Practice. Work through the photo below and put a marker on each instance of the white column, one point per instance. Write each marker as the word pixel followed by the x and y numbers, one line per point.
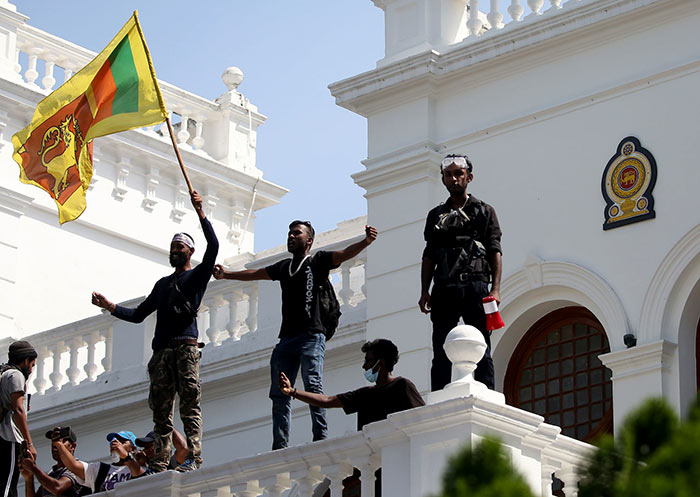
pixel 515 10
pixel 48 80
pixel 474 23
pixel 91 367
pixel 108 335
pixel 40 380
pixel 495 17
pixel 535 6
pixel 183 134
pixel 643 368
pixel 307 479
pixel 56 377
pixel 73 372
pixel 31 74
pixel 569 475
pixel 213 331
pixel 234 326
pixel 337 473
pixel 252 320
pixel 247 489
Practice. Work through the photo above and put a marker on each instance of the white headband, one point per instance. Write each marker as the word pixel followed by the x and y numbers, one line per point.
pixel 184 238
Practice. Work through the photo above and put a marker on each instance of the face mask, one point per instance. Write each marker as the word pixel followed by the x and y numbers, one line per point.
pixel 372 376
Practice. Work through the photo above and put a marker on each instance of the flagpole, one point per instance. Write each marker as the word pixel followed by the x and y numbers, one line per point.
pixel 177 153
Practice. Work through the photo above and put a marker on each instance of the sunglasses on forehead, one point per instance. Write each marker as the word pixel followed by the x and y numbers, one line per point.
pixel 458 161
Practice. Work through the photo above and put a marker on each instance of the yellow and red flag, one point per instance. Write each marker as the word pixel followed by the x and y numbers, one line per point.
pixel 115 92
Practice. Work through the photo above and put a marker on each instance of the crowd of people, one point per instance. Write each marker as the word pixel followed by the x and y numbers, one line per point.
pixel 461 264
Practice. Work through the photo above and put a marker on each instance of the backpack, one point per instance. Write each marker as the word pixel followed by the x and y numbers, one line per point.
pixel 329 307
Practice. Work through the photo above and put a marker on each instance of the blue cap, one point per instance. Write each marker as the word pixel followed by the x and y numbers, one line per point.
pixel 124 435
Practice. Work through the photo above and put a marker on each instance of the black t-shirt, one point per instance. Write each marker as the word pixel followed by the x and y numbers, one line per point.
pixel 300 310
pixel 192 283
pixel 375 403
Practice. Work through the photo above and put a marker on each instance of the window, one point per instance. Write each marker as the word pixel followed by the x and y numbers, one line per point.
pixel 555 372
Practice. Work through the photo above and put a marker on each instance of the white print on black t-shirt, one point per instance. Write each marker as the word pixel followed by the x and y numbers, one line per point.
pixel 309 290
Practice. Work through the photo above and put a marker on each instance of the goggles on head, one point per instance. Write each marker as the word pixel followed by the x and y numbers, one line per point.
pixel 458 161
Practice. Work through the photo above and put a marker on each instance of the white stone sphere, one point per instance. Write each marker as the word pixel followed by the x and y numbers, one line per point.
pixel 232 77
pixel 465 344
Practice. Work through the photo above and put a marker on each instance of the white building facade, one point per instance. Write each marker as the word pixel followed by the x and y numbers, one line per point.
pixel 596 319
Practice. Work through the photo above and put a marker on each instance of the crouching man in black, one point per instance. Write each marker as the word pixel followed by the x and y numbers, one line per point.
pixel 388 395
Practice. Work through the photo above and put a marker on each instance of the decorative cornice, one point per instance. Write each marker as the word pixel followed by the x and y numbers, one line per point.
pixel 362 93
pixel 641 359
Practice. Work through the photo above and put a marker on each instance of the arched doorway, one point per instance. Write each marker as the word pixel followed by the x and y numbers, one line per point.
pixel 555 372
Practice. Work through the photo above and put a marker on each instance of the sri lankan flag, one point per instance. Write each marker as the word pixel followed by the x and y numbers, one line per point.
pixel 115 92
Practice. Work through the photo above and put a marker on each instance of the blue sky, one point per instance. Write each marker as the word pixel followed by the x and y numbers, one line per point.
pixel 289 51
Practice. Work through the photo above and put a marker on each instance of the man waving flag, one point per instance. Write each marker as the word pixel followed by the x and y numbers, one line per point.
pixel 115 92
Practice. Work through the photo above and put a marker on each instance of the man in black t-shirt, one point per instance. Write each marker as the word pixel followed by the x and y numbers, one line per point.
pixel 302 341
pixel 388 395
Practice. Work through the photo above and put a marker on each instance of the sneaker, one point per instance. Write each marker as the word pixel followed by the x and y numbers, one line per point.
pixel 188 465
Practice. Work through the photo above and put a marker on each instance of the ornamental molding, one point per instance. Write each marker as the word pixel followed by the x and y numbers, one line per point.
pixel 681 264
pixel 551 281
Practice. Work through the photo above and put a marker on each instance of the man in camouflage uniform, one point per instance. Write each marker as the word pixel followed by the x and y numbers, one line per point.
pixel 174 367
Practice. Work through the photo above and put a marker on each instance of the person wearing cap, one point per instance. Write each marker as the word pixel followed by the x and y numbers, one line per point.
pixel 14 430
pixel 99 476
pixel 302 343
pixel 60 480
pixel 146 446
pixel 462 256
pixel 174 366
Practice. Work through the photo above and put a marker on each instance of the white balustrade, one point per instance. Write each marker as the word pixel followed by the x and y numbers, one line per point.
pixel 515 10
pixel 39 55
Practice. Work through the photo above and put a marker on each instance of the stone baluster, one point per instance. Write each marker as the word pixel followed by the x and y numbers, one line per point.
pixel 67 73
pixel 234 326
pixel 570 477
pixel 213 332
pixel 307 480
pixel 198 141
pixel 91 367
pixel 31 74
pixel 275 486
pixel 474 23
pixel 546 472
pixel 495 17
pixel 252 319
pixel 56 377
pixel 336 473
pixel 346 292
pixel 515 10
pixel 367 468
pixel 40 380
pixel 48 80
pixel 73 371
pixel 183 134
pixel 535 6
pixel 247 489
pixel 556 4
pixel 109 341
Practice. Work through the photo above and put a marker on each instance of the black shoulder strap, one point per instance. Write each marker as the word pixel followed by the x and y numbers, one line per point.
pixel 101 475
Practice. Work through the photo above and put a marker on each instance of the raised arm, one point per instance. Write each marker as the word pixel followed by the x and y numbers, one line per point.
pixel 136 315
pixel 340 256
pixel 246 275
pixel 314 399
pixel 74 466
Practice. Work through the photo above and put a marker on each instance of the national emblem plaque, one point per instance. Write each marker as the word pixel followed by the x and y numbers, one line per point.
pixel 627 185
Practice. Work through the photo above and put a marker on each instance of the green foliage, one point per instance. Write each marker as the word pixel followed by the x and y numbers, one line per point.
pixel 484 471
pixel 653 456
pixel 602 470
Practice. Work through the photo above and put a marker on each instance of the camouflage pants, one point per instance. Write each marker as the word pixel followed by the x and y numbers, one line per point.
pixel 175 370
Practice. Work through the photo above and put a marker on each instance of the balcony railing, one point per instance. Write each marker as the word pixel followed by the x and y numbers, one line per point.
pixel 44 62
